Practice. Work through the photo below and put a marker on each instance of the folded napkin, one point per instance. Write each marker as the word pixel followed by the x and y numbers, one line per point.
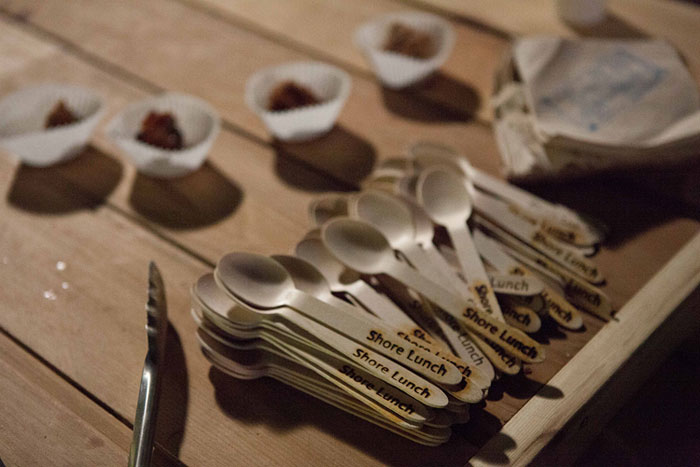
pixel 566 107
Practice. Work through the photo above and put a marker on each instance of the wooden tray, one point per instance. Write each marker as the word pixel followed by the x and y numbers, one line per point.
pixel 105 222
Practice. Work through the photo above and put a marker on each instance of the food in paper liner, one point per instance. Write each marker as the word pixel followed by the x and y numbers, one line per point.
pixel 565 108
pixel 405 40
pixel 329 84
pixel 160 130
pixel 60 115
pixel 396 70
pixel 290 95
pixel 197 120
pixel 23 116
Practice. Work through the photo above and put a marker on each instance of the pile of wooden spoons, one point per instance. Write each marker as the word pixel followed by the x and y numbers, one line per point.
pixel 378 316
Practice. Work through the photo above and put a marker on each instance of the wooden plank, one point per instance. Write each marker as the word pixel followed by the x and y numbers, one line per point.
pixel 674 383
pixel 668 231
pixel 56 203
pixel 91 329
pixel 612 198
pixel 45 421
pixel 87 319
pixel 238 168
pixel 304 24
pixel 463 84
pixel 637 374
pixel 247 196
pixel 542 417
pixel 677 22
pixel 193 52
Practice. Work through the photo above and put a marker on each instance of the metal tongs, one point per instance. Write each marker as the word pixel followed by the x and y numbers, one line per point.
pixel 146 410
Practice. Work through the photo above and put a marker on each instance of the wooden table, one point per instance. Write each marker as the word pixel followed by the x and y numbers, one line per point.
pixel 75 239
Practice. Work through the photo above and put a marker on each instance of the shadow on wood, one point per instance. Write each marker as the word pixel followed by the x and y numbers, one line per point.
pixel 482 427
pixel 341 153
pixel 162 458
pixel 296 175
pixel 612 27
pixel 522 387
pixel 506 443
pixel 627 202
pixel 281 408
pixel 667 407
pixel 259 401
pixel 679 184
pixel 195 200
pixel 458 100
pixel 81 183
pixel 550 330
pixel 174 396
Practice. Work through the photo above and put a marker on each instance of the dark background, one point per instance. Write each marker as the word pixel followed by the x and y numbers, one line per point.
pixel 660 425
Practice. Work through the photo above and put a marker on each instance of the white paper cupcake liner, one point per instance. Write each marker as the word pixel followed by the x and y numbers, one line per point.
pixel 330 84
pixel 23 117
pixel 198 122
pixel 395 70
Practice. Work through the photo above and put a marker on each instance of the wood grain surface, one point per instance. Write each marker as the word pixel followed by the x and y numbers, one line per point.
pixel 193 52
pixel 104 221
pixel 462 85
pixel 588 372
pixel 40 409
pixel 673 21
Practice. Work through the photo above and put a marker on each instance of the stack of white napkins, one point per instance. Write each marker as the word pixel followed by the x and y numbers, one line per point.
pixel 567 107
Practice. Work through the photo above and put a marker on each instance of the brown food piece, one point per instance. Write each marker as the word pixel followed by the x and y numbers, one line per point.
pixel 160 130
pixel 405 40
pixel 60 115
pixel 290 95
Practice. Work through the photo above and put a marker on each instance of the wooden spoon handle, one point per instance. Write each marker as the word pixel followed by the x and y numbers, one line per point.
pixel 560 216
pixel 566 256
pixel 376 364
pixel 584 295
pixel 438 267
pixel 521 285
pixel 376 335
pixel 558 308
pixel 480 322
pixel 521 317
pixel 397 407
pixel 473 268
pixel 380 305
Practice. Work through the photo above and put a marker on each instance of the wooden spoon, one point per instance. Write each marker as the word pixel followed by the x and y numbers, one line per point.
pixel 448 203
pixel 265 285
pixel 307 279
pixel 363 248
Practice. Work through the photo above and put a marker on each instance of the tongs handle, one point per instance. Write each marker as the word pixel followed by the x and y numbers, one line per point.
pixel 146 408
pixel 144 423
